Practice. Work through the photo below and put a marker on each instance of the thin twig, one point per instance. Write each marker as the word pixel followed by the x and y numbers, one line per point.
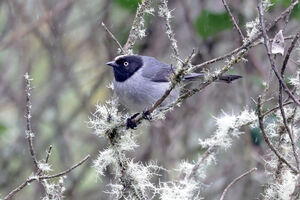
pixel 276 108
pixel 212 78
pixel 229 54
pixel 249 43
pixel 287 19
pixel 261 126
pixel 19 188
pixel 38 178
pixel 285 121
pixel 236 180
pixel 233 20
pixel 271 59
pixel 48 154
pixel 39 171
pixel 292 46
pixel 66 171
pixel 209 151
pixel 113 37
pixel 29 132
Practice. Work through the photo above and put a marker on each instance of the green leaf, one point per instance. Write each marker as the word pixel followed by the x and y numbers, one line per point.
pixel 286 3
pixel 256 136
pixel 209 23
pixel 2 128
pixel 128 4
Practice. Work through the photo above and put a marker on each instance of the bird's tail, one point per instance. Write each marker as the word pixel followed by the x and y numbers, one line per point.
pixel 200 76
pixel 229 78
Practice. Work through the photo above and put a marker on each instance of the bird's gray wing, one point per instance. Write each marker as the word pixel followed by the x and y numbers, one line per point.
pixel 156 71
pixel 160 72
pixel 194 77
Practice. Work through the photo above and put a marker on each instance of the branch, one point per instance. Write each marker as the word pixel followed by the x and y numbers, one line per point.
pixel 208 152
pixel 48 154
pixel 29 133
pixel 229 54
pixel 287 17
pixel 249 43
pixel 66 171
pixel 276 108
pixel 261 126
pixel 113 37
pixel 38 178
pixel 236 180
pixel 285 121
pixel 238 53
pixel 175 81
pixel 136 26
pixel 213 77
pixel 271 59
pixel 233 20
pixel 166 14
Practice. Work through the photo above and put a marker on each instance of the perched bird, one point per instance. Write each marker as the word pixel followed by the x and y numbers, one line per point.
pixel 141 80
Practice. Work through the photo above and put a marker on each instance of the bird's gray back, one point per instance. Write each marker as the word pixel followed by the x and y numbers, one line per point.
pixel 156 71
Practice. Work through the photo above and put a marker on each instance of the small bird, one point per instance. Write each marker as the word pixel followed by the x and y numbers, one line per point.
pixel 141 80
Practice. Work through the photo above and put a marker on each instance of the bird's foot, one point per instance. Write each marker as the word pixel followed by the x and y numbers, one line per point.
pixel 130 122
pixel 146 115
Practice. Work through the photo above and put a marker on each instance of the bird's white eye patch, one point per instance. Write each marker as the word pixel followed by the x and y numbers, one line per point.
pixel 126 64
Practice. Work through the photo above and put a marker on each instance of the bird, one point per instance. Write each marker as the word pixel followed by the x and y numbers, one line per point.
pixel 139 81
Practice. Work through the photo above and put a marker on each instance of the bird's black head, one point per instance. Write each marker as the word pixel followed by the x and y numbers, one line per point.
pixel 125 66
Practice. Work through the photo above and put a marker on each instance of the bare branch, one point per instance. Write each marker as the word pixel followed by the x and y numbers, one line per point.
pixel 113 37
pixel 285 122
pixel 292 46
pixel 287 17
pixel 66 171
pixel 229 54
pixel 38 178
pixel 48 154
pixel 29 132
pixel 261 126
pixel 236 180
pixel 208 152
pixel 212 78
pixel 276 108
pixel 233 20
pixel 249 43
pixel 271 59
pixel 19 188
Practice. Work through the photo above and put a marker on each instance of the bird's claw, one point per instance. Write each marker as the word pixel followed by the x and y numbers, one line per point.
pixel 146 115
pixel 130 122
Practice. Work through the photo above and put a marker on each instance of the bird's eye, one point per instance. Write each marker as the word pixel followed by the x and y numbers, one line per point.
pixel 126 64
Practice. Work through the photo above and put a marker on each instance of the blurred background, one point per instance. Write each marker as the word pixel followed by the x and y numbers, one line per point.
pixel 64 48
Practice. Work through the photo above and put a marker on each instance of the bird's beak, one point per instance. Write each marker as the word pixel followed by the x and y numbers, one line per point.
pixel 112 64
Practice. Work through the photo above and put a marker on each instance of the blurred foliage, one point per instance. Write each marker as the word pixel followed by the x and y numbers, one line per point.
pixel 209 23
pixel 2 128
pixel 128 4
pixel 256 136
pixel 285 3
